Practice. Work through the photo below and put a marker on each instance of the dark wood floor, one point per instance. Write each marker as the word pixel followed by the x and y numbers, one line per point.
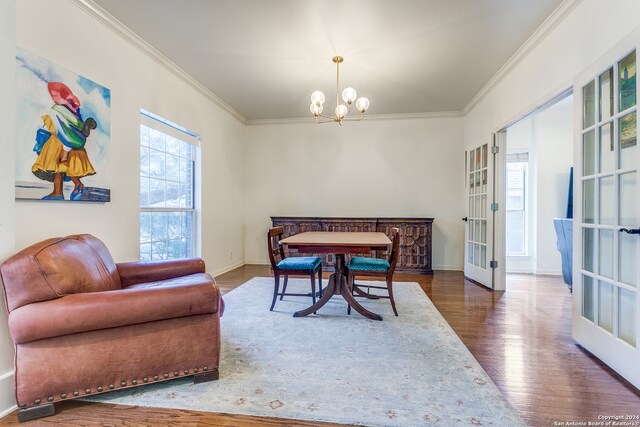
pixel 521 337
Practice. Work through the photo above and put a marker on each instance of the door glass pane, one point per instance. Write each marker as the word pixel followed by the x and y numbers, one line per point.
pixel 483 256
pixel 589 153
pixel 479 213
pixel 627 258
pixel 484 181
pixel 476 255
pixel 471 184
pixel 607 201
pixel 588 249
pixel 627 320
pixel 606 94
pixel 587 297
pixel 628 199
pixel 628 139
pixel 605 306
pixel 589 105
pixel 588 201
pixel 606 253
pixel 470 252
pixel 628 156
pixel 483 232
pixel 627 81
pixel 478 189
pixel 484 155
pixel 483 205
pixel 472 160
pixel 607 155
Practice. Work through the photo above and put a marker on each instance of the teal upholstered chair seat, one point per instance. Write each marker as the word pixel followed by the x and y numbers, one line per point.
pixel 368 264
pixel 299 263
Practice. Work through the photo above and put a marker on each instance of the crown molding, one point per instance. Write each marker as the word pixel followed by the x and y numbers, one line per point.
pixel 102 16
pixel 373 117
pixel 549 24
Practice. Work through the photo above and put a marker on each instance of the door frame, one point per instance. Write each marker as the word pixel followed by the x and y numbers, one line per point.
pixel 499 221
pixel 500 224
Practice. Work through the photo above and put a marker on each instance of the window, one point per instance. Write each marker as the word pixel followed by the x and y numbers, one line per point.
pixel 516 217
pixel 167 190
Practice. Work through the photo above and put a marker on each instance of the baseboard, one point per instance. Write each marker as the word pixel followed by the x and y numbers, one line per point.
pixel 448 267
pixel 519 271
pixel 536 273
pixel 227 268
pixel 7 394
pixel 257 262
pixel 552 272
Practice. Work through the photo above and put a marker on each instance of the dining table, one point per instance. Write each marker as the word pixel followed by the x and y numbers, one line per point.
pixel 339 244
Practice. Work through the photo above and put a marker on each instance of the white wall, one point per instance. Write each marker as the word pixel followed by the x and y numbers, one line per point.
pixel 392 168
pixel 548 138
pixel 136 81
pixel 7 216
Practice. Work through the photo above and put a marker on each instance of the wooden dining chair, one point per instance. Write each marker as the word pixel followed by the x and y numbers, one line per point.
pixel 375 267
pixel 283 265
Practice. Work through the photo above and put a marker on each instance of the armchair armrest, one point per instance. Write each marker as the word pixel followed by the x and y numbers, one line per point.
pixel 74 313
pixel 132 273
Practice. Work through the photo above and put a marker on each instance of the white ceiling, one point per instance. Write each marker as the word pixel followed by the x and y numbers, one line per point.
pixel 264 57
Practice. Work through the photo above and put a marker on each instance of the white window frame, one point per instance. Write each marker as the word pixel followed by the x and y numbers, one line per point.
pixel 521 158
pixel 157 123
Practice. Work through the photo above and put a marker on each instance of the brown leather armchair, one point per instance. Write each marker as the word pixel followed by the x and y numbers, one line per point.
pixel 84 325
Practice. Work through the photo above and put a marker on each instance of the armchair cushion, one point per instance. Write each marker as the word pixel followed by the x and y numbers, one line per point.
pixel 180 297
pixel 300 263
pixel 368 264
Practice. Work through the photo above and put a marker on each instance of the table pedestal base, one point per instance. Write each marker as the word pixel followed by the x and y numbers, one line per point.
pixel 338 286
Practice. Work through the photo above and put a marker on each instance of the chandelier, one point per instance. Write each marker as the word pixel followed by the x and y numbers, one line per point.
pixel 348 96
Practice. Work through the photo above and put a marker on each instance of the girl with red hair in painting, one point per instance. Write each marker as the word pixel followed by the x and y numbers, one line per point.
pixel 63 157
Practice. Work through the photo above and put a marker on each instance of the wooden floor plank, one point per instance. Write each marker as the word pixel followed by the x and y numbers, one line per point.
pixel 521 337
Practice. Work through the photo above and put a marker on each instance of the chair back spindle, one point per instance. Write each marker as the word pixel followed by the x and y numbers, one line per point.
pixel 395 248
pixel 276 251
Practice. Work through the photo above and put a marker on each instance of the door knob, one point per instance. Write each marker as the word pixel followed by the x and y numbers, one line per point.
pixel 630 231
pixel 465 219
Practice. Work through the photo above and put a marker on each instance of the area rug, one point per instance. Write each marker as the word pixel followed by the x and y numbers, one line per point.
pixel 408 370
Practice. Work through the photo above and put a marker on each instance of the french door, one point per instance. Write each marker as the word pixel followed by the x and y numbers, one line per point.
pixel 606 303
pixel 479 166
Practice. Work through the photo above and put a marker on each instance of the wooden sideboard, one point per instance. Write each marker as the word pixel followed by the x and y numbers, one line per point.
pixel 415 236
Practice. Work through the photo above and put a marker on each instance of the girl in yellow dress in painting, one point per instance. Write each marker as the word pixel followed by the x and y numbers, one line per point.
pixel 63 156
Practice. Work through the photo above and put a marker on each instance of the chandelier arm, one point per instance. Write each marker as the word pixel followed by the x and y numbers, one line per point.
pixel 354 119
pixel 324 121
pixel 326 117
